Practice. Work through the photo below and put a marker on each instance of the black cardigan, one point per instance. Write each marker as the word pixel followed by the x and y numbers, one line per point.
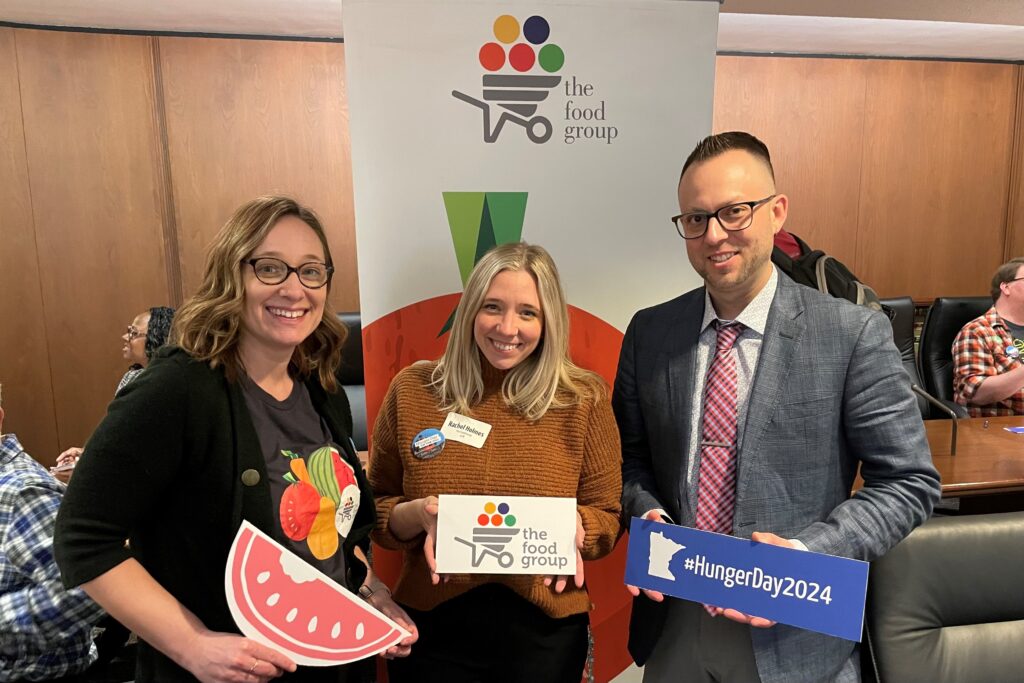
pixel 164 470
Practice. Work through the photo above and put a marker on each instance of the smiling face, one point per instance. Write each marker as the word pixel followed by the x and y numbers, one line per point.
pixel 277 318
pixel 509 325
pixel 735 265
pixel 134 349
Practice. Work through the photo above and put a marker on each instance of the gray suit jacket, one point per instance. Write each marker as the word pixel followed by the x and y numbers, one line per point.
pixel 829 394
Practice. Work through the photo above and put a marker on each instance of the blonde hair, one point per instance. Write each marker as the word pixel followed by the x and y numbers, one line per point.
pixel 547 378
pixel 207 326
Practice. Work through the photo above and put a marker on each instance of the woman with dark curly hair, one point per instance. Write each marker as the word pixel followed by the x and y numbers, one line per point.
pixel 147 333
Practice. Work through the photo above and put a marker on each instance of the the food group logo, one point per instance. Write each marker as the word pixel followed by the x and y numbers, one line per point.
pixel 493 537
pixel 494 531
pixel 521 69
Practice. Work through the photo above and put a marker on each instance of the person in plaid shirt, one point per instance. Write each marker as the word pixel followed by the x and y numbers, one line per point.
pixel 988 353
pixel 45 630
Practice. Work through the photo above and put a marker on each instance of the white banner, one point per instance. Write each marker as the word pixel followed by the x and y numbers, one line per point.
pixel 590 107
pixel 561 123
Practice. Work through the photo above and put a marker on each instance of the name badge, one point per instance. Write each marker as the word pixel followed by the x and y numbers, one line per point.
pixel 809 590
pixel 465 430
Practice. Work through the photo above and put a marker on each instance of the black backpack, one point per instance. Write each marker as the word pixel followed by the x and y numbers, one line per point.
pixel 814 268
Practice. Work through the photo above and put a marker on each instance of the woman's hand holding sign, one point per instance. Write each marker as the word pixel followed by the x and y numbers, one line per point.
pixel 414 517
pixel 561 581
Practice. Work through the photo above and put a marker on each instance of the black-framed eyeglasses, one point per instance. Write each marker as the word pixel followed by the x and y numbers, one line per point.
pixel 732 217
pixel 274 271
pixel 133 333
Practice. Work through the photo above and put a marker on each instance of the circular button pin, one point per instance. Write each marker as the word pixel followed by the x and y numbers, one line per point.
pixel 250 477
pixel 427 444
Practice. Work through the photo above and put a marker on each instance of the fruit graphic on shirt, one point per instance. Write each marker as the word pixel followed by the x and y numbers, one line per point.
pixel 322 472
pixel 323 537
pixel 321 501
pixel 300 506
pixel 349 502
pixel 279 600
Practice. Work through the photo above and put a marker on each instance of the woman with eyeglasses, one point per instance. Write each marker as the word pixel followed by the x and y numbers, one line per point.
pixel 147 333
pixel 214 433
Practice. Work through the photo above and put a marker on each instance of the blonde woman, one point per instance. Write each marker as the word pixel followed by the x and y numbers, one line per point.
pixel 552 434
pixel 206 438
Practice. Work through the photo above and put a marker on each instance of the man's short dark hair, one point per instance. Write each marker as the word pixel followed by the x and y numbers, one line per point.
pixel 1005 273
pixel 713 145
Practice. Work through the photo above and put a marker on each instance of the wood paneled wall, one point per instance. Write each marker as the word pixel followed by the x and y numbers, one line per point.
pixel 120 157
pixel 24 356
pixel 94 174
pixel 246 118
pixel 899 168
pixel 1015 213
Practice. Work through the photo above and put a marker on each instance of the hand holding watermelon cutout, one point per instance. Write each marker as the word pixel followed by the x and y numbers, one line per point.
pixel 281 601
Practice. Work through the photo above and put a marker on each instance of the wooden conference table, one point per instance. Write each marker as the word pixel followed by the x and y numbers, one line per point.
pixel 989 460
pixel 987 472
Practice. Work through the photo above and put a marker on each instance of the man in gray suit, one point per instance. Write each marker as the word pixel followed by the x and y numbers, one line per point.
pixel 814 387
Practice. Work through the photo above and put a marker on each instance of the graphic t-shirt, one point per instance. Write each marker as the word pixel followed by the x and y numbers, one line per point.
pixel 314 490
pixel 1017 332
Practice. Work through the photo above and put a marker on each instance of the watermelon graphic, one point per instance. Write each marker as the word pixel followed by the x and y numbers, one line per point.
pixel 279 600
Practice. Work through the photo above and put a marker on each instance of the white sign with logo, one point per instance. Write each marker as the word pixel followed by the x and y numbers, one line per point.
pixel 506 535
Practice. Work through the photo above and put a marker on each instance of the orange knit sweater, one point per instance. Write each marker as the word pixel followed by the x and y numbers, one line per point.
pixel 570 452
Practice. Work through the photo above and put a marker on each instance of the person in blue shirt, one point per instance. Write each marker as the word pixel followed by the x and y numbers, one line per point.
pixel 45 630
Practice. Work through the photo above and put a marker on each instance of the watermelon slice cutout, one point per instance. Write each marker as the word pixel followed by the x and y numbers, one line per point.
pixel 279 600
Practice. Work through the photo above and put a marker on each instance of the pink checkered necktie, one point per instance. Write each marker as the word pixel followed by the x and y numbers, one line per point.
pixel 716 483
pixel 716 494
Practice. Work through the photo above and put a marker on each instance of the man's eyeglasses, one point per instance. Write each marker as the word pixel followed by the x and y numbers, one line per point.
pixel 274 271
pixel 733 217
pixel 133 333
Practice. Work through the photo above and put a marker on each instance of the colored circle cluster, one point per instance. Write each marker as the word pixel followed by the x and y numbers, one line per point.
pixel 496 515
pixel 522 56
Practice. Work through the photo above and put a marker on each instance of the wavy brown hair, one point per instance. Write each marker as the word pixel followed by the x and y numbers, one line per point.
pixel 207 326
pixel 547 378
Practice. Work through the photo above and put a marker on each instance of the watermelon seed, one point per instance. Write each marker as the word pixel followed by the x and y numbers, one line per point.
pixel 336 631
pixel 263 577
pixel 272 600
pixel 292 613
pixel 312 625
pixel 360 630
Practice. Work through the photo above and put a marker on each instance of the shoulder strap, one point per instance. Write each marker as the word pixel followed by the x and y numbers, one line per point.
pixel 819 273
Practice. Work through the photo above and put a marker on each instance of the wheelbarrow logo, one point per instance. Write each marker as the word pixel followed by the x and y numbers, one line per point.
pixel 517 95
pixel 493 532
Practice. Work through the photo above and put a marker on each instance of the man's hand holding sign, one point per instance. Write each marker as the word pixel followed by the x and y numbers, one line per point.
pixel 744 578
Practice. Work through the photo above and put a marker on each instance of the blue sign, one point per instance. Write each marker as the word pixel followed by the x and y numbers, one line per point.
pixel 809 590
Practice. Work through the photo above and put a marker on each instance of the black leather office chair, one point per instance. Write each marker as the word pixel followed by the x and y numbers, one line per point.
pixel 946 605
pixel 350 374
pixel 901 318
pixel 944 320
